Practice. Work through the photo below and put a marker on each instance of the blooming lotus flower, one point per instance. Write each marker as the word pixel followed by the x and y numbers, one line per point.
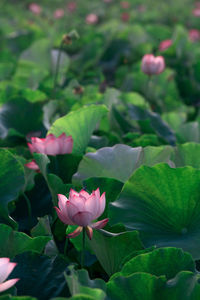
pixel 33 166
pixel 52 145
pixel 125 17
pixel 35 8
pixel 164 45
pixel 152 65
pixel 81 209
pixel 194 35
pixel 59 13
pixel 91 19
pixel 6 268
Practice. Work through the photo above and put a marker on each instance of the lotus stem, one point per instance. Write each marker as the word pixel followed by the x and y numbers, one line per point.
pixel 83 250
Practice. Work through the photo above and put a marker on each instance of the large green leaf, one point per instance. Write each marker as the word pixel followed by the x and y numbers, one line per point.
pixel 112 250
pixel 13 115
pixel 138 286
pixel 184 286
pixel 187 155
pixel 40 276
pixel 11 181
pixel 80 283
pixel 116 162
pixel 163 261
pixel 163 204
pixel 80 124
pixel 13 242
pixel 119 161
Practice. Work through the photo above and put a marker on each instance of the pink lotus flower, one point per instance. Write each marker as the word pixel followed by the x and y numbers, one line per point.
pixel 52 145
pixel 141 8
pixel 194 35
pixel 125 4
pixel 164 45
pixel 59 13
pixel 6 268
pixel 33 166
pixel 125 17
pixel 196 12
pixel 35 8
pixel 71 6
pixel 81 209
pixel 91 19
pixel 152 65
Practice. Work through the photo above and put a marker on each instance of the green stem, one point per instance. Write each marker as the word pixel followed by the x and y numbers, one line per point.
pixel 29 208
pixel 57 69
pixel 83 249
pixel 66 245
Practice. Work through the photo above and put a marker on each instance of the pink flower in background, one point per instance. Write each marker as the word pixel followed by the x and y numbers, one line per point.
pixel 125 4
pixel 152 65
pixel 52 145
pixel 6 267
pixel 164 45
pixel 125 17
pixel 59 13
pixel 33 166
pixel 35 8
pixel 194 35
pixel 141 8
pixel 81 209
pixel 91 19
pixel 196 12
pixel 107 1
pixel 71 6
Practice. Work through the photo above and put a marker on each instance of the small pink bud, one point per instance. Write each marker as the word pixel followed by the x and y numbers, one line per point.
pixel 59 13
pixel 35 8
pixel 194 35
pixel 125 4
pixel 33 166
pixel 164 45
pixel 71 6
pixel 91 19
pixel 125 17
pixel 152 65
pixel 6 267
pixel 81 209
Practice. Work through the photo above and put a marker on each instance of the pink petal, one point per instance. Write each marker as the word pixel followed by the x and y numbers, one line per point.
pixel 4 260
pixel 32 165
pixel 51 145
pixel 82 218
pixel 5 270
pixel 102 203
pixel 92 205
pixel 84 194
pixel 99 224
pixel 65 143
pixel 72 193
pixel 7 284
pixel 62 200
pixel 75 232
pixel 63 217
pixel 89 232
pixel 31 147
pixel 38 145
